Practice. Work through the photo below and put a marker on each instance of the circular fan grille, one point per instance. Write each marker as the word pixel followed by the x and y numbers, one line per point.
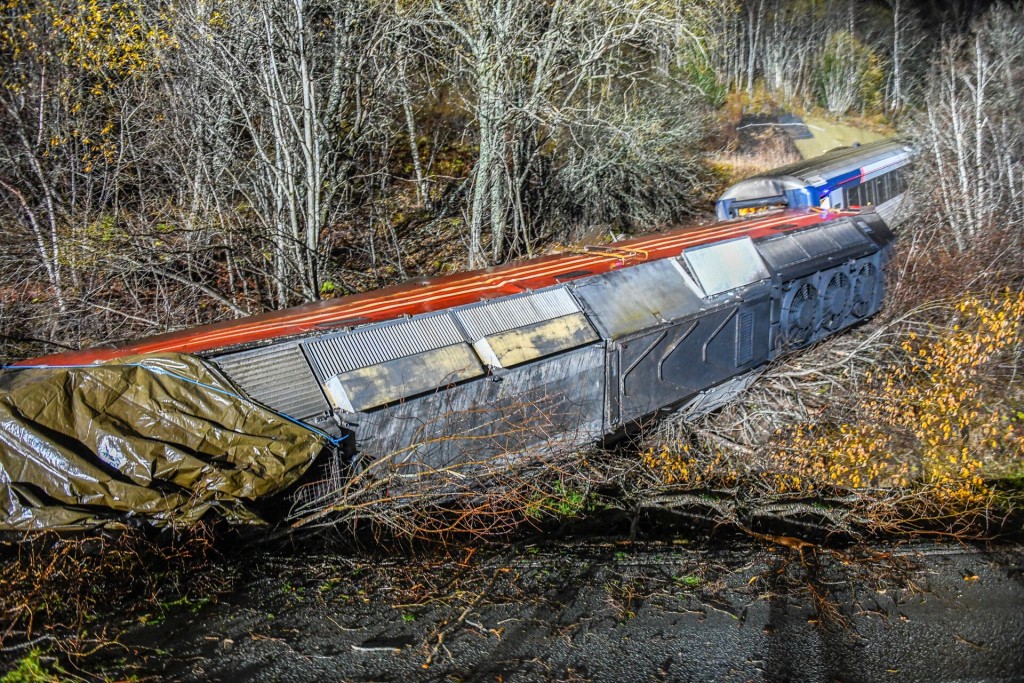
pixel 864 290
pixel 800 318
pixel 836 300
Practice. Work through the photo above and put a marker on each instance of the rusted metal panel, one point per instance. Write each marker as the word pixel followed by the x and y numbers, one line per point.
pixel 376 385
pixel 517 346
pixel 639 297
pixel 277 376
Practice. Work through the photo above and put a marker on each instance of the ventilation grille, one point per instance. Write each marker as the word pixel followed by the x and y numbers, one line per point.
pixel 744 338
pixel 277 376
pixel 517 311
pixel 349 351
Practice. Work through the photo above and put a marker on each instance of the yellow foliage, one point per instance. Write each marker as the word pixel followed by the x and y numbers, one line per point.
pixel 677 465
pixel 926 419
pixel 81 50
pixel 107 39
pixel 924 422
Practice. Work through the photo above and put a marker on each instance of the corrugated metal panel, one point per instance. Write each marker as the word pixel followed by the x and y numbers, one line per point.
pixel 887 210
pixel 782 251
pixel 639 297
pixel 350 351
pixel 277 376
pixel 521 310
pixel 846 234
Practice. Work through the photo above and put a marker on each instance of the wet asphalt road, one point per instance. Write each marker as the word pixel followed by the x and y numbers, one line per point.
pixel 662 611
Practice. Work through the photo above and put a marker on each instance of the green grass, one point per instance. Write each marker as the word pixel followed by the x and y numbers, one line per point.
pixel 32 669
pixel 689 581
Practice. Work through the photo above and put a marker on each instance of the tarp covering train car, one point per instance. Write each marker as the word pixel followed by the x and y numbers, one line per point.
pixel 162 437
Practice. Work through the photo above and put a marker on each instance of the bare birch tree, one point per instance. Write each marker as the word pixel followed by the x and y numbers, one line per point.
pixel 971 132
pixel 301 78
pixel 527 71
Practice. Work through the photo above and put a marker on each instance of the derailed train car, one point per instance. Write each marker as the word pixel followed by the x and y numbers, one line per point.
pixel 563 348
pixel 579 359
pixel 558 350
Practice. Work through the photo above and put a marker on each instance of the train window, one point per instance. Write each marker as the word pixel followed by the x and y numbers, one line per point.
pixel 899 181
pixel 878 190
pixel 871 192
pixel 864 194
pixel 853 196
pixel 726 265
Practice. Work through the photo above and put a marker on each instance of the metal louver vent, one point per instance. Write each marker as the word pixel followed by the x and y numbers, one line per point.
pixel 277 376
pixel 744 338
pixel 517 311
pixel 349 351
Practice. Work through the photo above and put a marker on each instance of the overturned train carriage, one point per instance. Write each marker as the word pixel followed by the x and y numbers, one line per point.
pixel 478 366
pixel 581 358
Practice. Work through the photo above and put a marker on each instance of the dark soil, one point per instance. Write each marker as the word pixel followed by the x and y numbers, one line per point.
pixel 672 609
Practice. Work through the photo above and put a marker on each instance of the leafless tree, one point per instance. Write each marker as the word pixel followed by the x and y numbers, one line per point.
pixel 527 71
pixel 298 80
pixel 970 132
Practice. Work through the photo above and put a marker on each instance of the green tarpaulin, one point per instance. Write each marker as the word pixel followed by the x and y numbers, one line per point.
pixel 163 438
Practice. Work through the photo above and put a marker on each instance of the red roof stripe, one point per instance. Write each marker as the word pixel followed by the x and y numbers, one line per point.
pixel 437 294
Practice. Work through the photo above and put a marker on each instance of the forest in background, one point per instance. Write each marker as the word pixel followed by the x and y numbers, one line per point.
pixel 165 164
